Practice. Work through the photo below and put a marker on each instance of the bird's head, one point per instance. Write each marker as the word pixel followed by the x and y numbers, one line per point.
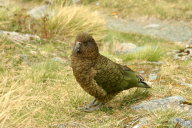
pixel 85 46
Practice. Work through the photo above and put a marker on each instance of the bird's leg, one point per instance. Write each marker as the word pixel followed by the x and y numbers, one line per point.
pixel 92 106
pixel 88 105
pixel 96 106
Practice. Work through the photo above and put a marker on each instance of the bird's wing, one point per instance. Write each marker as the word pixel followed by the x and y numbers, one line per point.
pixel 125 68
pixel 113 77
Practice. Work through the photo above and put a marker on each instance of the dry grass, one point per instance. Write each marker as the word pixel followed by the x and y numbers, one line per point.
pixel 68 21
pixel 62 24
pixel 45 93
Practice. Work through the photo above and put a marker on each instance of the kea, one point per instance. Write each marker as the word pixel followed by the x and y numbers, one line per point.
pixel 99 76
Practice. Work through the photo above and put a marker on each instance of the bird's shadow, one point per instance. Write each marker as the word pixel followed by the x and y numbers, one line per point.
pixel 134 97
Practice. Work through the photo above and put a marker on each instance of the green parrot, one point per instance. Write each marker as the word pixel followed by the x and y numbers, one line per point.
pixel 98 75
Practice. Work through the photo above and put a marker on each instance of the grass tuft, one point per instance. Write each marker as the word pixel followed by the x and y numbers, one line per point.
pixel 149 53
pixel 68 21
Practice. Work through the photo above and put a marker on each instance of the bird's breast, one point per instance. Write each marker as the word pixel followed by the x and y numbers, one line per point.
pixel 82 70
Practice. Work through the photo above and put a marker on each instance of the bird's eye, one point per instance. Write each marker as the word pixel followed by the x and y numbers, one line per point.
pixel 85 43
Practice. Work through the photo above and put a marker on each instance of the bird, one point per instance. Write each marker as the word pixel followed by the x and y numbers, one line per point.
pixel 98 75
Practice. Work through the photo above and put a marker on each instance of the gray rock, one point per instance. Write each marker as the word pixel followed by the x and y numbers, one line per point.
pixel 59 126
pixel 141 123
pixel 15 36
pixel 125 48
pixel 160 103
pixel 152 26
pixel 97 3
pixel 58 59
pixel 76 1
pixel 186 84
pixel 141 72
pixel 39 12
pixel 25 59
pixel 182 122
pixel 152 76
pixel 2 4
pixel 170 30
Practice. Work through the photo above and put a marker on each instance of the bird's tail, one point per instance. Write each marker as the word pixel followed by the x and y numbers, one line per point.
pixel 143 85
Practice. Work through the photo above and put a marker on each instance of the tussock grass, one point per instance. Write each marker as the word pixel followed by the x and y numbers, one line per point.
pixel 62 24
pixel 68 21
pixel 149 53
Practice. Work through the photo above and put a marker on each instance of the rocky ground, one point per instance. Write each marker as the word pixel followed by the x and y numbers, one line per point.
pixel 176 31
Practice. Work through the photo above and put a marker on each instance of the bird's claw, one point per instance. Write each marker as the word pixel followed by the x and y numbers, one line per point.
pixel 93 106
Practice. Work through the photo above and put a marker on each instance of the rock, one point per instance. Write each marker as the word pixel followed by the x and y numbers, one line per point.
pixel 97 3
pixel 152 76
pixel 125 47
pixel 168 102
pixel 76 1
pixel 59 126
pixel 2 4
pixel 15 36
pixel 141 123
pixel 182 122
pixel 155 63
pixel 186 84
pixel 141 72
pixel 58 59
pixel 39 12
pixel 152 26
pixel 190 112
pixel 25 59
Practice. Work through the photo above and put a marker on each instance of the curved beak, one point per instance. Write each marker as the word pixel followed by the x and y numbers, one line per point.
pixel 77 47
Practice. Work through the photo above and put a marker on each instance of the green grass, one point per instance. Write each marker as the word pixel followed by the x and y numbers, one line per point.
pixel 149 53
pixel 135 38
pixel 163 9
pixel 148 48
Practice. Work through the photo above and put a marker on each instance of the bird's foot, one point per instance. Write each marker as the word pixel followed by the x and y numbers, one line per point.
pixel 93 106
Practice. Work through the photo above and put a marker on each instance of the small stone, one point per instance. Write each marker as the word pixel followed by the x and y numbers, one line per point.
pixel 182 54
pixel 155 63
pixel 185 58
pixel 39 12
pixel 152 76
pixel 76 1
pixel 97 3
pixel 58 59
pixel 186 84
pixel 33 52
pixel 18 36
pixel 25 59
pixel 59 126
pixel 125 47
pixel 141 72
pixel 150 26
pixel 182 122
pixel 176 57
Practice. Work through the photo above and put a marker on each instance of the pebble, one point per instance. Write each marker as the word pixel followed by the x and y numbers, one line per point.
pixel 152 76
pixel 160 103
pixel 186 84
pixel 122 48
pixel 182 122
